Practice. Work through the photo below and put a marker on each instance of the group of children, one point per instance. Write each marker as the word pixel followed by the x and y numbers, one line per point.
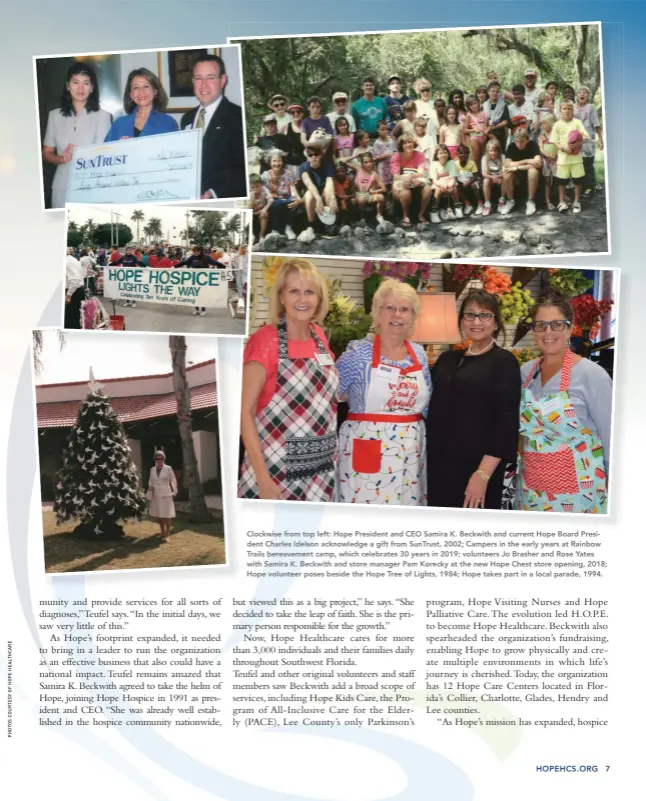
pixel 464 160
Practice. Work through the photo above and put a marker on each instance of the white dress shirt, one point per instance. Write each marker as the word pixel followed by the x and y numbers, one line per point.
pixel 210 111
pixel 74 275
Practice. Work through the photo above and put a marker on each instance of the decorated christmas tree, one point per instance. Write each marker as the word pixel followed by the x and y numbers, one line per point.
pixel 98 483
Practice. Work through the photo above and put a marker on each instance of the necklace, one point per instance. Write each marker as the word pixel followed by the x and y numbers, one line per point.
pixel 480 352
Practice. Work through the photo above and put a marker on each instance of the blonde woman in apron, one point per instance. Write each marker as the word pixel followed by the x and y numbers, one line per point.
pixel 565 418
pixel 382 450
pixel 289 392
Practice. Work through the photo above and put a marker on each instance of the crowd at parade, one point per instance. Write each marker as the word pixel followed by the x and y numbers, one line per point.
pixel 423 159
pixel 447 437
pixel 85 268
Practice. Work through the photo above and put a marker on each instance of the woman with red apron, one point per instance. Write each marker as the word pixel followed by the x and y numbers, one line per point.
pixel 565 415
pixel 382 450
pixel 290 386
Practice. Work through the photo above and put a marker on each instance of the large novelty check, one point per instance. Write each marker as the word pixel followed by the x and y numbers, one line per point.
pixel 160 168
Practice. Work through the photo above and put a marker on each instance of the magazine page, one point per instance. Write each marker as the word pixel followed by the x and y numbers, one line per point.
pixel 321 435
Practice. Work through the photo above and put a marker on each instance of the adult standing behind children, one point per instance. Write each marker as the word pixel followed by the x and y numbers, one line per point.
pixel 531 90
pixel 497 114
pixel 277 104
pixel 395 100
pixel 340 100
pixel 425 107
pixel 369 110
pixel 223 147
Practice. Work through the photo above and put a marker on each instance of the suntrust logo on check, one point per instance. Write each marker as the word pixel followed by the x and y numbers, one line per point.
pixel 100 160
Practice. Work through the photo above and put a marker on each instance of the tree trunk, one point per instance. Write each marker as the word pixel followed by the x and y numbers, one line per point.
pixel 581 37
pixel 199 510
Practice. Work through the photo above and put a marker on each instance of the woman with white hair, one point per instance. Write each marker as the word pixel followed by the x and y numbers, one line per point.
pixel 289 391
pixel 387 383
pixel 162 488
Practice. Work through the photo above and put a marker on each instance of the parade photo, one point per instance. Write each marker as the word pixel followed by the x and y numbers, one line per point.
pixel 141 126
pixel 447 144
pixel 429 384
pixel 168 269
pixel 129 450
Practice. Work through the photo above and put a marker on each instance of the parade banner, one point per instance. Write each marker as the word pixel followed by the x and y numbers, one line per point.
pixel 176 287
pixel 165 167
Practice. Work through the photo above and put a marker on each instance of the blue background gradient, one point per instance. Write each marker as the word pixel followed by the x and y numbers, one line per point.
pixel 32 268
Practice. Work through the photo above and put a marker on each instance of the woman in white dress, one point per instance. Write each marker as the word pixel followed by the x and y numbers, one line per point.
pixel 162 488
pixel 78 121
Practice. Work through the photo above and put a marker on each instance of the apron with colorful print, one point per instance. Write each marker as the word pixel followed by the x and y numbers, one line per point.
pixel 297 428
pixel 561 466
pixel 382 452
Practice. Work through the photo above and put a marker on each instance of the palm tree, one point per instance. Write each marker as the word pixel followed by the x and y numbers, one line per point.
pixel 37 347
pixel 199 510
pixel 148 232
pixel 72 226
pixel 232 228
pixel 155 227
pixel 90 227
pixel 137 217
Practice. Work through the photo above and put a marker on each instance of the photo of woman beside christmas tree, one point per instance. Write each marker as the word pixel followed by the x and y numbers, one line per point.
pixel 110 498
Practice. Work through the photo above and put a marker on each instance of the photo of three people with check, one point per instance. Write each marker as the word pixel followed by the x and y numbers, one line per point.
pixel 81 120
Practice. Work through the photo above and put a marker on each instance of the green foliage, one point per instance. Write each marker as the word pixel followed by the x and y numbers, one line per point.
pixel 570 282
pixel 300 67
pixel 102 237
pixel 74 238
pixel 345 320
pixel 516 305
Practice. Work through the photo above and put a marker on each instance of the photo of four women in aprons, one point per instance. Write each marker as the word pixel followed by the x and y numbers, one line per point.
pixel 413 439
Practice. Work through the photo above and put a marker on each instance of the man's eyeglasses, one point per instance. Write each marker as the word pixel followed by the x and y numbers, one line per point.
pixel 279 105
pixel 200 78
pixel 484 317
pixel 555 325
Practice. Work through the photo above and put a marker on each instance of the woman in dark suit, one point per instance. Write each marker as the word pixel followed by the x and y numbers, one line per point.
pixel 473 423
pixel 144 101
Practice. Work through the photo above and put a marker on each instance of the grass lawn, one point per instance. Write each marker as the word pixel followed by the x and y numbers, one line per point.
pixel 190 544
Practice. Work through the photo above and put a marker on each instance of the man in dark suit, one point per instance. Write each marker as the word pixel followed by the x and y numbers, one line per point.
pixel 223 149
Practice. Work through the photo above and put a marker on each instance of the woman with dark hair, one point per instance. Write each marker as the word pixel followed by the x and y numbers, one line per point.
pixel 200 261
pixel 473 415
pixel 565 414
pixel 144 101
pixel 456 98
pixel 292 131
pixel 78 121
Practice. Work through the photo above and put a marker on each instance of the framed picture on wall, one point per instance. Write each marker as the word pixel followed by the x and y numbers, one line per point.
pixel 175 68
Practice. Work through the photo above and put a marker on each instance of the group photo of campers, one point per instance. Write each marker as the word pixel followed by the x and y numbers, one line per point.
pixel 477 143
